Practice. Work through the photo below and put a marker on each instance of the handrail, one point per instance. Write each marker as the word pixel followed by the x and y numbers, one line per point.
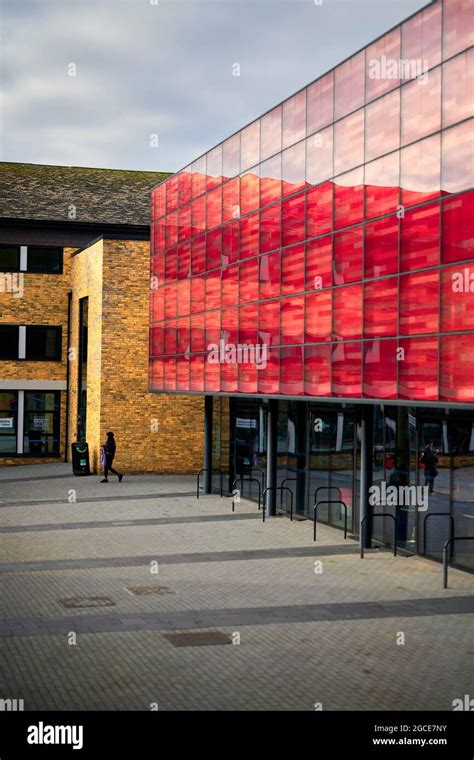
pixel 326 488
pixel 221 477
pixel 280 488
pixel 331 501
pixel 378 514
pixel 281 492
pixel 445 555
pixel 437 514
pixel 247 480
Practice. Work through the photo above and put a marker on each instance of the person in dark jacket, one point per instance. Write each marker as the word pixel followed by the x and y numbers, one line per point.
pixel 430 461
pixel 109 454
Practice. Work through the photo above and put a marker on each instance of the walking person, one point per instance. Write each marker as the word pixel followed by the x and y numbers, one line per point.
pixel 107 457
pixel 430 460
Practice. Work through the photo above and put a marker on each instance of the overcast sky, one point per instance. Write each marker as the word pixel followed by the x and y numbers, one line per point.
pixel 162 67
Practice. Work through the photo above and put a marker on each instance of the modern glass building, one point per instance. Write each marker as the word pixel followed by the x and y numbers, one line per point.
pixel 314 275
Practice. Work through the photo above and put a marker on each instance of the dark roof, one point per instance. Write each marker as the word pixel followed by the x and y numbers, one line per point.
pixel 108 196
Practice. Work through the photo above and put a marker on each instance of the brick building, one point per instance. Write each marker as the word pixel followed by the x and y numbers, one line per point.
pixel 74 273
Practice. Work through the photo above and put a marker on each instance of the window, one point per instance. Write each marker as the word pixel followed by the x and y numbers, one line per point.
pixel 8 421
pixel 43 343
pixel 9 258
pixel 41 427
pixel 9 341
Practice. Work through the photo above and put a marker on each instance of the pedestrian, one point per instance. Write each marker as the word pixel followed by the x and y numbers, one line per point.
pixel 107 458
pixel 430 460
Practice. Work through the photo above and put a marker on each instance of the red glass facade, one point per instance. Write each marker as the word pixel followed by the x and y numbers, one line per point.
pixel 333 237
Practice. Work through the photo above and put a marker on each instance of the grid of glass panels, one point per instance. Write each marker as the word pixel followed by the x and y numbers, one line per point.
pixel 333 237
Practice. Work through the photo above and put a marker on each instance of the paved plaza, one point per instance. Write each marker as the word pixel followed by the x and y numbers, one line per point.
pixel 138 596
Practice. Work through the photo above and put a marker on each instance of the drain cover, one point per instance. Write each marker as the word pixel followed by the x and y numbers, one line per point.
pixel 201 639
pixel 143 590
pixel 76 602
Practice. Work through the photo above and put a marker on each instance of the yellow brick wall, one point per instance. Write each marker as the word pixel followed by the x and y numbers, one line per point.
pixel 44 301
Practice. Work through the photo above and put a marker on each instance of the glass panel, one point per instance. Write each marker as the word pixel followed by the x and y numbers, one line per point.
pixel 43 342
pixel 196 363
pixel 198 254
pixel 197 294
pixel 41 423
pixel 380 369
pixel 230 285
pixel 458 158
pixel 197 333
pixel 348 250
pixel 8 424
pixel 231 200
pixel 213 293
pixel 419 238
pixel 457 298
pixel 269 324
pixel 382 186
pixel 270 275
pixel 213 249
pixel 184 223
pixel 230 242
pixel 458 29
pixel 156 374
pixel 198 179
pixel 294 119
pixel 349 198
pixel 184 260
pixel 419 303
pixel 317 370
pixel 319 156
pixel 172 194
pixel 292 269
pixel 458 228
pixel 292 320
pixel 270 228
pixel 270 133
pixel 250 145
pixel 293 169
pixel 319 210
pixel 382 126
pixel 249 234
pixel 8 342
pixel 250 191
pixel 380 308
pixel 457 368
pixel 293 220
pixel 349 142
pixel 421 171
pixel 318 317
pixel 347 312
pixel 458 88
pixel 349 85
pixel 231 157
pixel 383 65
pixel 214 208
pixel 198 217
pixel 421 37
pixel 381 247
pixel 291 370
pixel 270 180
pixel 346 364
pixel 214 167
pixel 44 259
pixel 171 227
pixel 184 186
pixel 320 103
pixel 268 377
pixel 421 107
pixel 248 281
pixel 319 263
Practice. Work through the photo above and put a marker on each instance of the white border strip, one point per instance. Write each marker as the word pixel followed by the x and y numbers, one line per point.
pixel 20 420
pixel 32 385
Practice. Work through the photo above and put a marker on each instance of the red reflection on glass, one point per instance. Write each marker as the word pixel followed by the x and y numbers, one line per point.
pixel 457 298
pixel 196 364
pixel 170 300
pixel 183 339
pixel 269 323
pixel 169 373
pixel 421 107
pixel 349 85
pixel 291 370
pixel 293 219
pixel 249 191
pixel 213 290
pixel 157 305
pixel 184 260
pixel 320 103
pixel 457 161
pixel 159 196
pixel 418 372
pixel 347 312
pixel 156 374
pixel 230 242
pixel 292 269
pixel 458 88
pixel 317 370
pixel 458 30
pixel 171 265
pixel 319 209
pixel 294 118
pixel 212 371
pixel 214 167
pixel 268 377
pixel 198 179
pixel 419 238
pixel 269 276
pixel 421 171
pixel 349 198
pixel 319 263
pixel 380 369
pixel 382 126
pixel 380 308
pixel 214 208
pixel 231 200
pixel 229 377
pixel 382 60
pixel 182 373
pixel 171 229
pixel 230 285
pixel 159 236
pixel 270 180
pixel 249 236
pixel 270 228
pixel 157 340
pixel 197 333
pixel 292 320
pixel 230 325
pixel 212 321
pixel 170 336
pixel 270 133
pixel 184 297
pixel 184 186
pixel 381 247
pixel 197 294
pixel 248 280
pixel 172 194
pixel 349 142
pixel 213 248
pixel 458 228
pixel 158 270
pixel 319 156
pixel 348 248
pixel 184 223
pixel 198 254
pixel 198 215
pixel 346 363
pixel 318 317
pixel 457 368
pixel 231 157
pixel 382 186
pixel 250 146
pixel 421 37
pixel 248 321
pixel 293 169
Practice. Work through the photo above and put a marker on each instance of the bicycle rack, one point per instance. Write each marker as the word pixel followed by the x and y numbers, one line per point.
pixel 378 514
pixel 445 555
pixel 247 480
pixel 438 514
pixel 221 478
pixel 331 501
pixel 285 480
pixel 326 488
pixel 262 473
pixel 280 488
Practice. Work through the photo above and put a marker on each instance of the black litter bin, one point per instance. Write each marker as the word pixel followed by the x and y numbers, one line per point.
pixel 80 458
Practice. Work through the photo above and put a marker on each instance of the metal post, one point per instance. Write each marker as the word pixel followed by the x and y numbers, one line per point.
pixel 366 471
pixel 208 405
pixel 272 432
pixel 301 455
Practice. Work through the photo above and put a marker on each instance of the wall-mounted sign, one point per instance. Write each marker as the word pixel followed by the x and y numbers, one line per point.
pixel 243 422
pixel 6 422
